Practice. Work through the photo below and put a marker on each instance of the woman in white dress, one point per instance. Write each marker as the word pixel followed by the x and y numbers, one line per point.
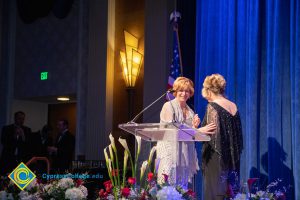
pixel 178 160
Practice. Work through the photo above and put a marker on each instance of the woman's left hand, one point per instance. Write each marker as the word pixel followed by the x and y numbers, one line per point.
pixel 208 129
pixel 196 121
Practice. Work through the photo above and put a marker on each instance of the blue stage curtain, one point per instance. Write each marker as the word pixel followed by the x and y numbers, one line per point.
pixel 255 45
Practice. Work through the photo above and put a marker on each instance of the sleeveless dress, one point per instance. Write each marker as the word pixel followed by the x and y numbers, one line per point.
pixel 178 160
pixel 221 155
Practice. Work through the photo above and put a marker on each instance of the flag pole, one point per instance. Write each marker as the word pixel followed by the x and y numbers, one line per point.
pixel 175 16
pixel 179 51
pixel 176 69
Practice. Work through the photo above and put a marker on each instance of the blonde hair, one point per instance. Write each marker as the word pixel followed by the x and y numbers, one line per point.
pixel 214 83
pixel 183 83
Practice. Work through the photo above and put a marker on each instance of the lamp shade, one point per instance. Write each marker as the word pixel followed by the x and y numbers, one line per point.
pixel 131 59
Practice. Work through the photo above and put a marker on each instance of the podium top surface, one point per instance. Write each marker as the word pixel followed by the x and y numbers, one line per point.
pixel 164 132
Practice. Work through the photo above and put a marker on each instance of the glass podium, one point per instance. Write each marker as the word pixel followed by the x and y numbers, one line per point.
pixel 175 143
pixel 153 132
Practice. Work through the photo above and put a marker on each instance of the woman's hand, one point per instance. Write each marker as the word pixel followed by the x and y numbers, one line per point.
pixel 208 129
pixel 196 121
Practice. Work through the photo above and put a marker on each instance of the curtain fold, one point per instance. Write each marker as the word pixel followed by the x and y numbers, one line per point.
pixel 295 91
pixel 255 45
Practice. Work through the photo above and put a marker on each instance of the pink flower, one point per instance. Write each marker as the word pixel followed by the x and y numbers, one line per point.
pixel 131 180
pixel 250 182
pixel 108 186
pixel 102 194
pixel 150 176
pixel 143 197
pixel 165 177
pixel 79 182
pixel 191 193
pixel 125 192
pixel 229 191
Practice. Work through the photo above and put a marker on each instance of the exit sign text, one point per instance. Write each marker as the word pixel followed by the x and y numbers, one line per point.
pixel 44 76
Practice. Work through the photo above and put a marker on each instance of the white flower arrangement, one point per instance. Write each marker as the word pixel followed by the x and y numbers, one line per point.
pixel 168 193
pixel 27 196
pixel 75 194
pixel 83 190
pixel 64 188
pixel 5 196
pixel 240 196
pixel 32 185
pixel 65 183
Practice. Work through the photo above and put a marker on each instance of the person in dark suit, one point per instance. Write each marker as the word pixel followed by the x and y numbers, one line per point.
pixel 41 140
pixel 63 149
pixel 46 138
pixel 15 140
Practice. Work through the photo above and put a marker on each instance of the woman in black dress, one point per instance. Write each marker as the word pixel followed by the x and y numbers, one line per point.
pixel 221 155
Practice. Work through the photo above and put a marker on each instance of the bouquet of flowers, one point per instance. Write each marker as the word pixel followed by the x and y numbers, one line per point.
pixel 8 189
pixel 151 190
pixel 65 188
pixel 249 192
pixel 11 191
pixel 127 188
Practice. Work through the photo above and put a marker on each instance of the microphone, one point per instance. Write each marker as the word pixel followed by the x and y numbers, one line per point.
pixel 171 90
pixel 156 100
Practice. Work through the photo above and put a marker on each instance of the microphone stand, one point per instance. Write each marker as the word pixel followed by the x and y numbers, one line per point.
pixel 173 116
pixel 139 114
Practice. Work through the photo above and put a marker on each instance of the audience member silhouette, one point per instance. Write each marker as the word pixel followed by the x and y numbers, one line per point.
pixel 15 140
pixel 63 148
pixel 39 141
pixel 46 139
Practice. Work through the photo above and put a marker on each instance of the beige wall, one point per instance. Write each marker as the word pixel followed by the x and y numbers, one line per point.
pixel 36 113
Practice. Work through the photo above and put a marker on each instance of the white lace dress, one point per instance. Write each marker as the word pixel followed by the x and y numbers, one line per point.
pixel 178 160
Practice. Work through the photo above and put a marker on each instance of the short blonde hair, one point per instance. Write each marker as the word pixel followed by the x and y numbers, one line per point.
pixel 183 83
pixel 214 83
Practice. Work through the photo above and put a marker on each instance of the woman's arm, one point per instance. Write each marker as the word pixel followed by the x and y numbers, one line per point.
pixel 211 126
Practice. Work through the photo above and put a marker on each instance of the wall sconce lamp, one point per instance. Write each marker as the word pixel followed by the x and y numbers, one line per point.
pixel 131 60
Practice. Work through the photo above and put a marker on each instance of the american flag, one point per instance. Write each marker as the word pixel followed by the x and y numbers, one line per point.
pixel 175 69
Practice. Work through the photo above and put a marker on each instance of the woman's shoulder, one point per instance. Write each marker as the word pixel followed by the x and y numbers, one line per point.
pixel 225 104
pixel 168 106
pixel 231 104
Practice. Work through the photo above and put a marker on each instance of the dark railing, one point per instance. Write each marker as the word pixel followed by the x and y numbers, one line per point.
pixel 33 160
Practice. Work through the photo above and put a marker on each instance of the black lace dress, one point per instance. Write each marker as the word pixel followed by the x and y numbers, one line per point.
pixel 221 155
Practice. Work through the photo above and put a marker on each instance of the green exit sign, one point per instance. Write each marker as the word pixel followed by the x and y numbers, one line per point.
pixel 44 76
